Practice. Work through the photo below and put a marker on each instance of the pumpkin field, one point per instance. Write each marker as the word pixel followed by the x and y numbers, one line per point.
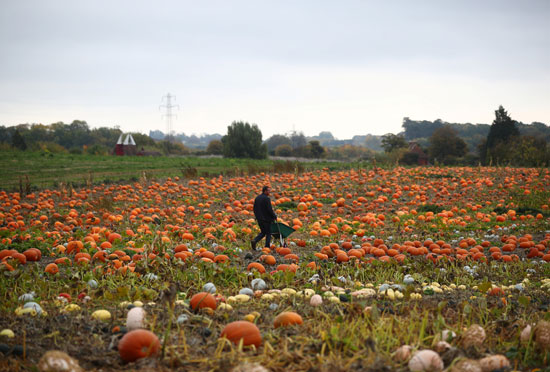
pixel 400 269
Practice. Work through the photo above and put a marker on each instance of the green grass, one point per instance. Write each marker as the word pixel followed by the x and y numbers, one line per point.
pixel 38 170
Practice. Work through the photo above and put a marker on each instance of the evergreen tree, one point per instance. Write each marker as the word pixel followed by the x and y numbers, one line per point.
pixel 502 129
pixel 18 141
pixel 501 132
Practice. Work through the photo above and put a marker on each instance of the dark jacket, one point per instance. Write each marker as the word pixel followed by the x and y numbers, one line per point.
pixel 263 210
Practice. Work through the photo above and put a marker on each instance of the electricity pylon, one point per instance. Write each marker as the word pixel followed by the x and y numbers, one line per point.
pixel 168 115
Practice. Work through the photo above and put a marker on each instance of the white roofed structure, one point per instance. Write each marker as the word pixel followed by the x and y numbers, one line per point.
pixel 126 147
pixel 129 141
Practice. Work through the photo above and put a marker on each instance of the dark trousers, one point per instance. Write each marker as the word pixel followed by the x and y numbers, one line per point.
pixel 265 230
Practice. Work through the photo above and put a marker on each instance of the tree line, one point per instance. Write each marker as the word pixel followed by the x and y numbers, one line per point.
pixel 244 140
pixel 473 134
pixel 504 142
pixel 77 138
pixel 191 141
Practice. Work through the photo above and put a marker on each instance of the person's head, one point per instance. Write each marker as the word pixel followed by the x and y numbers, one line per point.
pixel 266 190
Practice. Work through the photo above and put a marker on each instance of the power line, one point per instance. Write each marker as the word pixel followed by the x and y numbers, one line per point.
pixel 168 115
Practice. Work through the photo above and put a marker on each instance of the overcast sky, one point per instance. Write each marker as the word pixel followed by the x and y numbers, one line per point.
pixel 349 67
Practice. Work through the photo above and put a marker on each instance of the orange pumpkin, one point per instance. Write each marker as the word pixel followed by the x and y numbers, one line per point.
pixel 203 299
pixel 180 247
pixel 221 258
pixel 113 236
pixel 33 254
pixel 6 253
pixel 287 318
pixel 242 330
pixel 20 257
pixel 291 256
pixel 137 344
pixel 51 269
pixel 284 251
pixel 257 266
pixel 270 260
pixel 74 245
pixel 342 257
pixel 63 261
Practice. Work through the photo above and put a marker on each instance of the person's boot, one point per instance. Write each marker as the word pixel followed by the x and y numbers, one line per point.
pixel 253 244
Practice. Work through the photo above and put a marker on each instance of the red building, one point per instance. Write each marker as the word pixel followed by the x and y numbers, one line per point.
pixel 119 150
pixel 128 147
pixel 416 149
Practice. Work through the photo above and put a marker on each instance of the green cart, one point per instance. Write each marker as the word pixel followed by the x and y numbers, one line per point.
pixel 281 231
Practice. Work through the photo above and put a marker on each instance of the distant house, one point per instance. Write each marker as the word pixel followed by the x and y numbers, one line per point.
pixel 416 149
pixel 119 150
pixel 129 145
pixel 126 147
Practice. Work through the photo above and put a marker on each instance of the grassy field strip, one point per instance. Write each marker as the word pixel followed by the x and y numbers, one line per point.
pixel 46 170
pixel 97 177
pixel 89 168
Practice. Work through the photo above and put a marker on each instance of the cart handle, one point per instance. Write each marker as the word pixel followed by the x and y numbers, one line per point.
pixel 281 240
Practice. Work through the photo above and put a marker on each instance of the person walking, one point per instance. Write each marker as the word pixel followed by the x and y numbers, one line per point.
pixel 265 216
